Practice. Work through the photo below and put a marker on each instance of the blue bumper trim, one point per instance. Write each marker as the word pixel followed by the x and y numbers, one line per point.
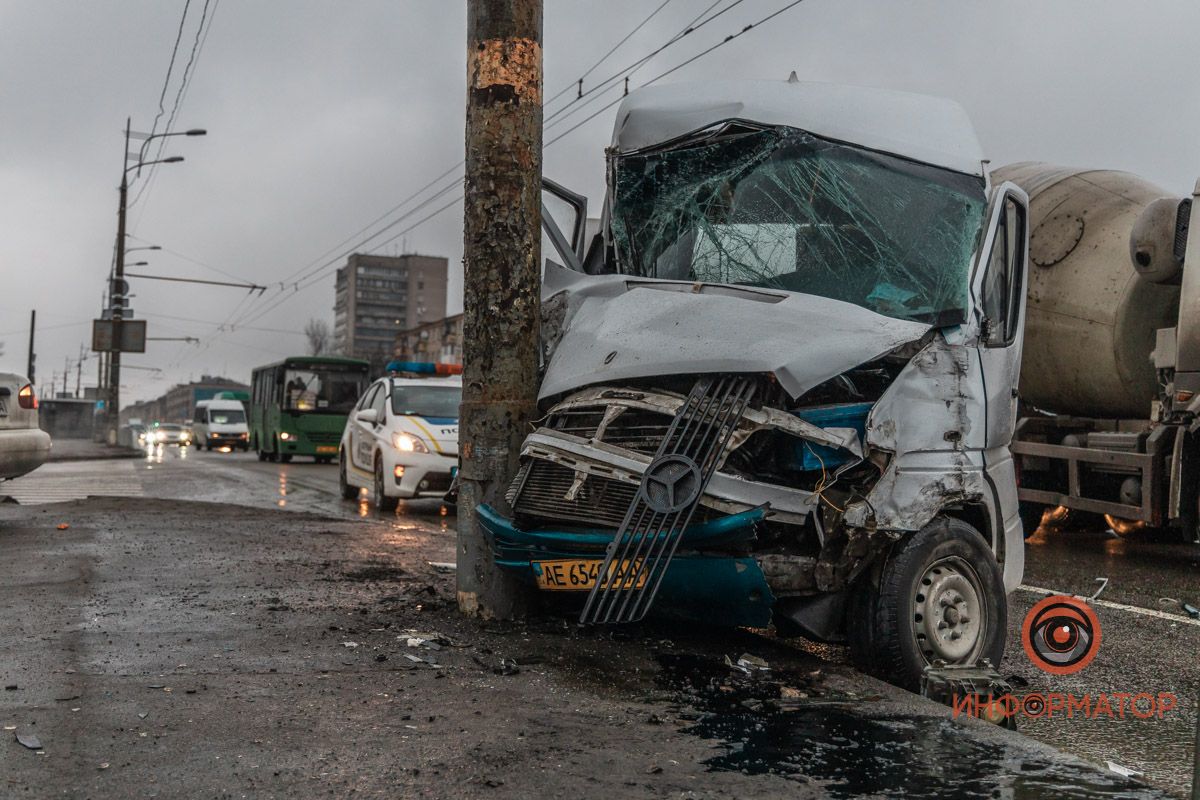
pixel 718 590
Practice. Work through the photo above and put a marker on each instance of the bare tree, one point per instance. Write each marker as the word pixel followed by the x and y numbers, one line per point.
pixel 320 339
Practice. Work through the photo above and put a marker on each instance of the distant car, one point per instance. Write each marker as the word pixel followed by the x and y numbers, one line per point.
pixel 169 433
pixel 401 439
pixel 23 445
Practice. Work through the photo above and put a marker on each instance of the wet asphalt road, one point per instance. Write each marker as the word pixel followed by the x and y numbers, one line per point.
pixel 1148 644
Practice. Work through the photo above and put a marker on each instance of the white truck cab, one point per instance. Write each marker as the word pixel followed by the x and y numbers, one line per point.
pixel 401 440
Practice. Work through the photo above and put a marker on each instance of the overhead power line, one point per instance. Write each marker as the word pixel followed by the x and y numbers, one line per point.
pixel 290 278
pixel 312 276
pixel 162 96
pixel 201 37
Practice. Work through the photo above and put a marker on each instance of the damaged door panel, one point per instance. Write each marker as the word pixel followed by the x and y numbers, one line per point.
pixel 839 269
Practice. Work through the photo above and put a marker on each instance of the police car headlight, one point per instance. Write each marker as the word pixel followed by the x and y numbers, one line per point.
pixel 407 443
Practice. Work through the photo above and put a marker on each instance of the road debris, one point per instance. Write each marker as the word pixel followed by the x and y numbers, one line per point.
pixel 62 526
pixel 350 645
pixel 1128 772
pixel 508 666
pixel 430 640
pixel 29 740
pixel 443 567
pixel 1191 610
pixel 748 664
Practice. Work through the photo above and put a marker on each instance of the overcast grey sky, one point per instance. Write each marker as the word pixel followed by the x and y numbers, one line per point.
pixel 323 115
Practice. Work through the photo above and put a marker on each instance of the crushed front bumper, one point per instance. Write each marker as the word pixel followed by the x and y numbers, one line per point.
pixel 701 583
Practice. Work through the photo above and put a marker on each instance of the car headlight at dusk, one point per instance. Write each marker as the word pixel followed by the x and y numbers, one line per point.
pixel 407 443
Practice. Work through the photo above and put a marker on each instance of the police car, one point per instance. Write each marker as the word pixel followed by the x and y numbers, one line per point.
pixel 401 439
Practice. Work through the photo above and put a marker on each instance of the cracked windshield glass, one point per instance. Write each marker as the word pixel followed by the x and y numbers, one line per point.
pixel 783 209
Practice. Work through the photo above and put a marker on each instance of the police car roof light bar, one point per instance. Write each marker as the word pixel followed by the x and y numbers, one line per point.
pixel 424 368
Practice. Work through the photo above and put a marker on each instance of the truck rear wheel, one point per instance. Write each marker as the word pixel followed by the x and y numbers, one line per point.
pixel 939 596
pixel 1189 491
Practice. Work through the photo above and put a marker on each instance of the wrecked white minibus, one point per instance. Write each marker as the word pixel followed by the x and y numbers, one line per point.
pixel 780 384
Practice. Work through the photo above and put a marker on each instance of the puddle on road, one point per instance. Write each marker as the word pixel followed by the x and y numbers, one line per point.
pixel 849 754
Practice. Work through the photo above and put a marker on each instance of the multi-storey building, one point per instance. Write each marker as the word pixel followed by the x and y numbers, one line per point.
pixel 439 341
pixel 378 296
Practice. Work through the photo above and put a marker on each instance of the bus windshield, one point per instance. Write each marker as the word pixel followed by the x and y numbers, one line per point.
pixel 438 402
pixel 321 389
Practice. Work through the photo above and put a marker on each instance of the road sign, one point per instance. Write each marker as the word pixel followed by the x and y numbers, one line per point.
pixel 133 336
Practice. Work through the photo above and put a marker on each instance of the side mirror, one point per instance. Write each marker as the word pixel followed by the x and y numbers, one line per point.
pixel 368 415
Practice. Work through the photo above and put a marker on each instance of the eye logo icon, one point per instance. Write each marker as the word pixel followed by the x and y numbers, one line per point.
pixel 1061 634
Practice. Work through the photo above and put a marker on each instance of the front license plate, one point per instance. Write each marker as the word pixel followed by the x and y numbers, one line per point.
pixel 579 575
pixel 326 448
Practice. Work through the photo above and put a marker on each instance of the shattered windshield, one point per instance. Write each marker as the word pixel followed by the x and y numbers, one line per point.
pixel 783 209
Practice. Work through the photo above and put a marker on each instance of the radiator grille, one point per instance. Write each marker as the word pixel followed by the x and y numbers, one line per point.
pixel 541 488
pixel 633 429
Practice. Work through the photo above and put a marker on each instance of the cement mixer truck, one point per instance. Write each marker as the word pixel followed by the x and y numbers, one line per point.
pixel 1110 382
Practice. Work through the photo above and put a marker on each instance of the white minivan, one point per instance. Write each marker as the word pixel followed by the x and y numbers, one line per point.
pixel 221 423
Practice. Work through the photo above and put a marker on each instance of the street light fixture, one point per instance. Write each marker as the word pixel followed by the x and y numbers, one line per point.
pixel 113 411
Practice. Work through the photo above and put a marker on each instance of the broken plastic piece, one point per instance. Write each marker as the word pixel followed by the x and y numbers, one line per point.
pixel 753 663
pixel 29 740
pixel 1128 772
pixel 1191 610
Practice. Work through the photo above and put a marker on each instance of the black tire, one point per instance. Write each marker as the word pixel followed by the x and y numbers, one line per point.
pixel 262 456
pixel 890 626
pixel 1189 491
pixel 286 458
pixel 382 501
pixel 347 491
pixel 1031 516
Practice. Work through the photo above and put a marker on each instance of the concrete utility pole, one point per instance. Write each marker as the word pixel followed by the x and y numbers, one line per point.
pixel 29 364
pixel 112 406
pixel 501 292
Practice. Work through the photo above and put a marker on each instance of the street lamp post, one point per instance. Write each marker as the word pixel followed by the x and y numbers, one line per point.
pixel 113 412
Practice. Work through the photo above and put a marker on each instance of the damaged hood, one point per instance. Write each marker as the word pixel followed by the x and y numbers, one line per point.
pixel 606 328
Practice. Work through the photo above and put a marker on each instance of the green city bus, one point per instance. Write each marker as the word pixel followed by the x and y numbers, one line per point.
pixel 299 406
